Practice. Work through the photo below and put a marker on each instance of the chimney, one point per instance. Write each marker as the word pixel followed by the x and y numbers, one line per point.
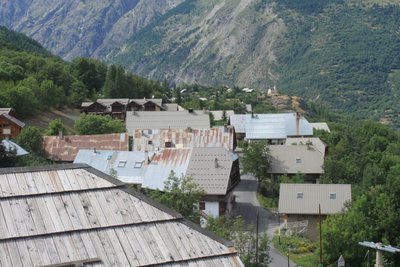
pixel 146 157
pixel 216 163
pixel 225 128
pixel 94 151
pixel 60 135
pixel 190 110
pixel 298 117
pixel 204 110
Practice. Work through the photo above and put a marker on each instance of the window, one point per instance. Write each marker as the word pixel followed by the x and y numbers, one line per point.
pixel 332 195
pixel 138 165
pixel 150 142
pixel 298 160
pixel 300 195
pixel 121 163
pixel 202 205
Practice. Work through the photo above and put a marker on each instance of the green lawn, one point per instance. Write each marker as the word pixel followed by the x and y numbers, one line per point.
pixel 303 252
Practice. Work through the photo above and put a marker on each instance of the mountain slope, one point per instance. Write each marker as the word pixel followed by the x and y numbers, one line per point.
pixel 81 27
pixel 213 42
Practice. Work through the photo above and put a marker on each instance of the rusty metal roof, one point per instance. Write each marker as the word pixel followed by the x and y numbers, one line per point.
pixel 155 139
pixel 210 168
pixel 66 148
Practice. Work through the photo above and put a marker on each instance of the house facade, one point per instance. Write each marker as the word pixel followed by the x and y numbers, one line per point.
pixel 298 156
pixel 215 170
pixel 118 107
pixel 10 127
pixel 299 205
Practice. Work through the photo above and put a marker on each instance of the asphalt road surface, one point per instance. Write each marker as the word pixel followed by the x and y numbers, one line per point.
pixel 247 206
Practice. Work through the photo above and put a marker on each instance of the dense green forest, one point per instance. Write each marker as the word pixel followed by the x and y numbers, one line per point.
pixel 31 79
pixel 343 55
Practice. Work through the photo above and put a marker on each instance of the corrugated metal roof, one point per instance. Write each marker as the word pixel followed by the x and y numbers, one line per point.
pixel 129 166
pixel 61 214
pixel 209 167
pixel 166 120
pixel 321 126
pixel 8 144
pixel 271 126
pixel 163 162
pixel 292 159
pixel 315 142
pixel 67 147
pixel 154 139
pixel 305 198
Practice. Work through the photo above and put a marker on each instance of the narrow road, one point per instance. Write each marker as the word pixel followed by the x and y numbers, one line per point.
pixel 247 206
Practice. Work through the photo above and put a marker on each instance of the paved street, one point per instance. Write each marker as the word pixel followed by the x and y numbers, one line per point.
pixel 247 206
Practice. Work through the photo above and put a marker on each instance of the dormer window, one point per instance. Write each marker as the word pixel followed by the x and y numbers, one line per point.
pixel 332 195
pixel 299 195
pixel 298 160
pixel 121 163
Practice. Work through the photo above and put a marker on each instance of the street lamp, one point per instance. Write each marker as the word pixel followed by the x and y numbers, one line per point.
pixel 278 215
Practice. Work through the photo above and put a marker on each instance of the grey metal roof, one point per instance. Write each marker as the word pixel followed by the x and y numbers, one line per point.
pixel 321 126
pixel 313 195
pixel 61 214
pixel 8 144
pixel 129 166
pixel 314 142
pixel 292 159
pixel 271 126
pixel 154 139
pixel 209 167
pixel 166 120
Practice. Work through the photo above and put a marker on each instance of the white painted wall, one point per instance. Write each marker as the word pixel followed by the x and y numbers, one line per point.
pixel 212 208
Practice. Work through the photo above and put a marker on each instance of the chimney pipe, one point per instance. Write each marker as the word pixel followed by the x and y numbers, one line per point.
pixel 298 116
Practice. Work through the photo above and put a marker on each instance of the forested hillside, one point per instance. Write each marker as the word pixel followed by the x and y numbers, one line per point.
pixel 31 79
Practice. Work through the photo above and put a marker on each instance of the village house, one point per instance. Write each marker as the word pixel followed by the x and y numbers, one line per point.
pixel 74 215
pixel 117 108
pixel 214 169
pixel 274 128
pixel 167 120
pixel 157 139
pixel 298 156
pixel 10 127
pixel 299 205
pixel 64 148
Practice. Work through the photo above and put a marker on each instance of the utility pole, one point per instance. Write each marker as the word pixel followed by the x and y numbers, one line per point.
pixel 320 235
pixel 257 222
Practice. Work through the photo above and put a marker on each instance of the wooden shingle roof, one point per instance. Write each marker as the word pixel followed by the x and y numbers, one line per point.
pixel 62 214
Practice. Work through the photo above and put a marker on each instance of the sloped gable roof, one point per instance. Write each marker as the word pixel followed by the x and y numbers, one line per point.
pixel 305 198
pixel 292 159
pixel 154 139
pixel 271 126
pixel 166 120
pixel 66 148
pixel 13 120
pixel 209 167
pixel 60 214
